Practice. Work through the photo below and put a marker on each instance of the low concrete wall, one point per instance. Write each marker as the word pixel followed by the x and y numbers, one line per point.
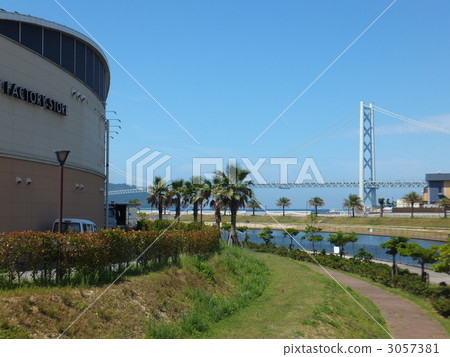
pixel 417 210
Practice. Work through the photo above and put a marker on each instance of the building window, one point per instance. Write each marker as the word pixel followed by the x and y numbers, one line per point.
pixel 96 74
pixel 52 45
pixel 10 29
pixel 89 67
pixel 31 37
pixel 67 57
pixel 80 70
pixel 73 55
pixel 102 82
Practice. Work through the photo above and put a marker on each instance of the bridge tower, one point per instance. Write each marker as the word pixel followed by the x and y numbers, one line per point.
pixel 367 154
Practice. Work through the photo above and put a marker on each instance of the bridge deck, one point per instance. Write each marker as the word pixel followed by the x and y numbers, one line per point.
pixel 329 184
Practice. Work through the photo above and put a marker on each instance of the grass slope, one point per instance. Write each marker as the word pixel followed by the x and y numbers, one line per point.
pixel 215 298
pixel 301 303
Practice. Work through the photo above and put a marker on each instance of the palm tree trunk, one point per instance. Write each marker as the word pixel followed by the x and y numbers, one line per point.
pixel 315 207
pixel 253 211
pixel 394 267
pixel 353 211
pixel 412 209
pixel 201 213
pixel 422 266
pixel 160 209
pixel 381 210
pixel 195 209
pixel 217 215
pixel 233 233
pixel 178 209
pixel 283 210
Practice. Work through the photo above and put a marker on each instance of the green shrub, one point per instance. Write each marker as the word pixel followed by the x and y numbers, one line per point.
pixel 441 305
pixel 92 258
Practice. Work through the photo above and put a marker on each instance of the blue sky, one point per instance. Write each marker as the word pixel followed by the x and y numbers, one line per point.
pixel 226 70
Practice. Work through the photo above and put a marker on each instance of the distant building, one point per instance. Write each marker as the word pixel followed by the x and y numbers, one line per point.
pixel 438 187
pixel 402 203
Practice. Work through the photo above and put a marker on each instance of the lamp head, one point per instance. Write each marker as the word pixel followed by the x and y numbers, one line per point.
pixel 61 156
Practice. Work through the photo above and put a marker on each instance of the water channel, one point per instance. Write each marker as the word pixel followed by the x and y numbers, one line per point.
pixel 370 243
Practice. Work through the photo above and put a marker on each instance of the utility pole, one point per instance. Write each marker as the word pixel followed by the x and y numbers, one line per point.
pixel 107 137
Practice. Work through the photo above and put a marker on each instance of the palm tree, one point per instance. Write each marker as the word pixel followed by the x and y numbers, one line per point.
pixel 412 198
pixel 158 194
pixel 218 202
pixel 204 194
pixel 353 201
pixel 168 201
pixel 253 204
pixel 316 202
pixel 190 195
pixel 283 202
pixel 235 191
pixel 381 202
pixel 445 202
pixel 176 191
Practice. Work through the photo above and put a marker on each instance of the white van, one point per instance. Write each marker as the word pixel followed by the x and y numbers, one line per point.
pixel 75 225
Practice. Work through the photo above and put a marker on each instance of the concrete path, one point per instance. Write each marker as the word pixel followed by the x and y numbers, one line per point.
pixel 403 318
pixel 435 277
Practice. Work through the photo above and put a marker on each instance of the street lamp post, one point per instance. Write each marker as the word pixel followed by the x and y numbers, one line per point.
pixel 107 137
pixel 61 156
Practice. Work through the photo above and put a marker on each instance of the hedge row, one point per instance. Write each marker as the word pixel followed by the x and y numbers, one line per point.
pixel 378 272
pixel 36 253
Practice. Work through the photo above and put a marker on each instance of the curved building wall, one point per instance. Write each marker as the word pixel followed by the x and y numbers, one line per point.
pixel 44 107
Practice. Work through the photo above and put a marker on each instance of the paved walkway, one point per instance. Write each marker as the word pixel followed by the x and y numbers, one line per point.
pixel 435 277
pixel 403 318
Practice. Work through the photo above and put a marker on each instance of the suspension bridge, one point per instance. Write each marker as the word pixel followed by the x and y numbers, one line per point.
pixel 367 184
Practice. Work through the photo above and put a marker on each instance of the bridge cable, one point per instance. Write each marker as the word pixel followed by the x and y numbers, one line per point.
pixel 322 134
pixel 323 72
pixel 411 121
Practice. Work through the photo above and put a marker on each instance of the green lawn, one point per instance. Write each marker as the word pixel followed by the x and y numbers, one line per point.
pixel 301 303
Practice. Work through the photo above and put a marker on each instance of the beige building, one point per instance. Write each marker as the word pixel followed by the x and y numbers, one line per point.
pixel 54 83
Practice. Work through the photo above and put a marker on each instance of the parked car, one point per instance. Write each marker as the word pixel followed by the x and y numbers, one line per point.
pixel 74 225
